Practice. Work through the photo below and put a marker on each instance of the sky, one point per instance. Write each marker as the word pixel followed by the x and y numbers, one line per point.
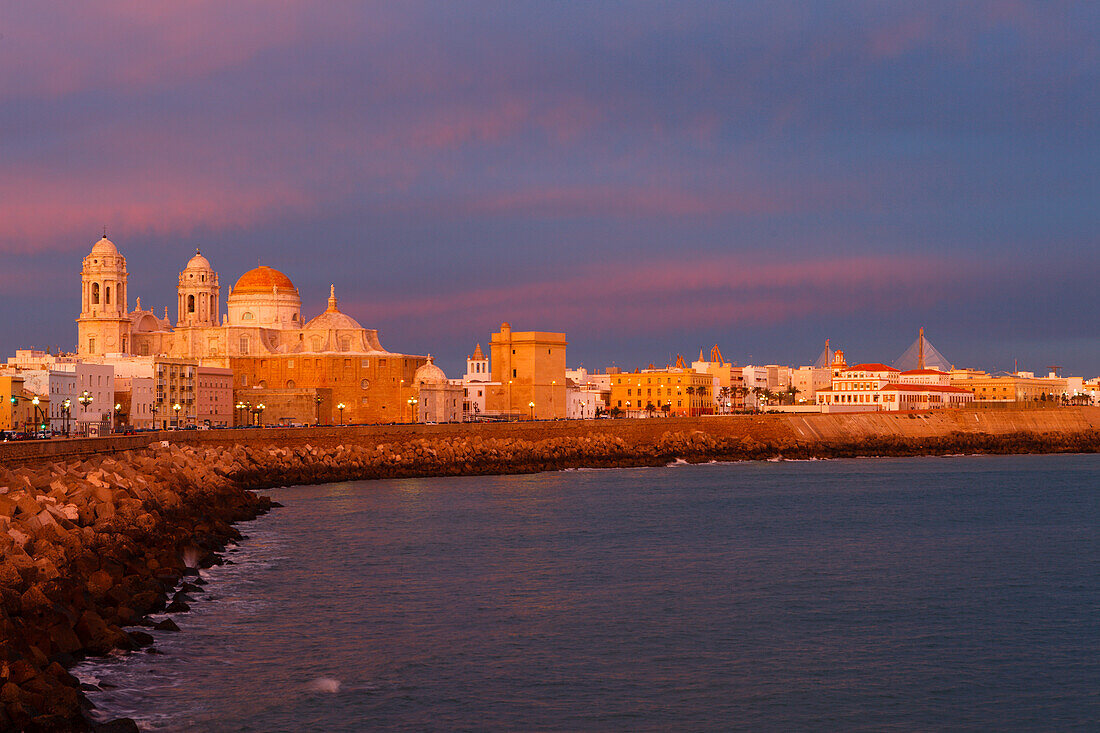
pixel 651 178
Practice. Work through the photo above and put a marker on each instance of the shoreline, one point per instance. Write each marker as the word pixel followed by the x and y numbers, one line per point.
pixel 94 544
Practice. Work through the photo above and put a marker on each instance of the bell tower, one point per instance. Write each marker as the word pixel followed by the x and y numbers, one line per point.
pixel 104 324
pixel 198 301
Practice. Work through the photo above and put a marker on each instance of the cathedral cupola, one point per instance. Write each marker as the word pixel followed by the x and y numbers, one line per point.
pixel 198 301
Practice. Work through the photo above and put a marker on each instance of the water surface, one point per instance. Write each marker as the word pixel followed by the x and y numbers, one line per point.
pixel 878 594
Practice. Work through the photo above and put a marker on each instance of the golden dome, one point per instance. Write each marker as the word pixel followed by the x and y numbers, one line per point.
pixel 261 280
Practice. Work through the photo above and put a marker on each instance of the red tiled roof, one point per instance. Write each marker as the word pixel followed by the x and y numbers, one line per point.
pixel 870 368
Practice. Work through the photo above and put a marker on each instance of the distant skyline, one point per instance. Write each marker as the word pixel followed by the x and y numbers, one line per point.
pixel 650 178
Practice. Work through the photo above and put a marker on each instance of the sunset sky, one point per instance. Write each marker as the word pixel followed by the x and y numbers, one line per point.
pixel 649 177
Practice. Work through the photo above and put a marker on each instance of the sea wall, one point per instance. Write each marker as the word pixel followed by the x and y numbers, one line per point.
pixel 97 534
pixel 90 548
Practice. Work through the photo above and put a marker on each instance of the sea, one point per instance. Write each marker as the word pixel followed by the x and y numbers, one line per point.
pixel 880 594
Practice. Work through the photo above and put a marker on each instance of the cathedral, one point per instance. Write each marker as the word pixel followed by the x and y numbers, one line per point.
pixel 304 371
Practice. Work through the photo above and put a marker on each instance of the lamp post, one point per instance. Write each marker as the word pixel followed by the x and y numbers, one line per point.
pixel 240 412
pixel 340 406
pixel 65 407
pixel 318 400
pixel 177 407
pixel 118 414
pixel 260 414
pixel 154 409
pixel 531 404
pixel 85 399
pixel 412 407
pixel 35 401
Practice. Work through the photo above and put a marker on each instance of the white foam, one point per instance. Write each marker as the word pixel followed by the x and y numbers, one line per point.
pixel 324 684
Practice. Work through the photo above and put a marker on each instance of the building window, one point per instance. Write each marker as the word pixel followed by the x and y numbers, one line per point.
pixel 290 384
pixel 244 345
pixel 247 316
pixel 513 373
pixel 91 345
pixel 107 300
pixel 95 293
pixel 190 303
pixel 365 384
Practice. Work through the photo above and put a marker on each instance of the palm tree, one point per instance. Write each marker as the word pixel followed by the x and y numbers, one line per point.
pixel 666 408
pixel 650 409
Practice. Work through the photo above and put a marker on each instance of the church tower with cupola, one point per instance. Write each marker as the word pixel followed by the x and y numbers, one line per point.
pixel 104 323
pixel 198 295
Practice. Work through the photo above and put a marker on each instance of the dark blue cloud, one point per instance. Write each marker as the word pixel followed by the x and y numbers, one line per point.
pixel 431 152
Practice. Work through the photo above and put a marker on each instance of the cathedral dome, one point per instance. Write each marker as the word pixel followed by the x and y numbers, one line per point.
pixel 429 374
pixel 332 319
pixel 261 280
pixel 105 247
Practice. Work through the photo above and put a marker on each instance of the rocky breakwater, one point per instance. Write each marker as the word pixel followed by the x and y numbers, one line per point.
pixel 89 549
pixel 260 466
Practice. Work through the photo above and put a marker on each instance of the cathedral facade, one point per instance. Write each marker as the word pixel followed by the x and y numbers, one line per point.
pixel 329 364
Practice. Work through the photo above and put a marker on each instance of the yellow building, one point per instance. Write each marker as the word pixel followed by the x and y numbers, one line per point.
pixel 529 367
pixel 672 391
pixel 1009 389
pixel 20 409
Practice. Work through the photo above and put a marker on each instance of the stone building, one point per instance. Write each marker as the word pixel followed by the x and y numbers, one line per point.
pixel 437 399
pixel 529 367
pixel 259 333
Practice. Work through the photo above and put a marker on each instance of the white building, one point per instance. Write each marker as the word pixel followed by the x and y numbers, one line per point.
pixel 475 385
pixel 878 387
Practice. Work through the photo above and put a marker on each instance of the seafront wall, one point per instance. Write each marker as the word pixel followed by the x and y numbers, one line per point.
pixel 97 534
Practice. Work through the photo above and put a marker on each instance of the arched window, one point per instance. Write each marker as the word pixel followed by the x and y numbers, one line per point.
pixel 107 300
pixel 190 303
pixel 246 316
pixel 95 293
pixel 316 340
pixel 290 384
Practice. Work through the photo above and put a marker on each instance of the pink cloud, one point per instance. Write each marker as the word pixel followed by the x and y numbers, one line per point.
pixel 723 290
pixel 42 215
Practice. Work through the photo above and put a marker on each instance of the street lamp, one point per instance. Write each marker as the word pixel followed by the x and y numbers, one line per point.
pixel 340 407
pixel 177 407
pixel 318 399
pixel 240 412
pixel 260 414
pixel 412 407
pixel 154 409
pixel 35 402
pixel 531 404
pixel 65 407
pixel 85 399
pixel 118 414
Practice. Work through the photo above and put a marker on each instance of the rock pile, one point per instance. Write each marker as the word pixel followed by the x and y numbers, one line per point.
pixel 89 549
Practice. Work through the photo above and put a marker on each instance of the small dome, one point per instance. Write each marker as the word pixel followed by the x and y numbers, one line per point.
pixel 332 319
pixel 429 374
pixel 198 262
pixel 105 247
pixel 261 280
